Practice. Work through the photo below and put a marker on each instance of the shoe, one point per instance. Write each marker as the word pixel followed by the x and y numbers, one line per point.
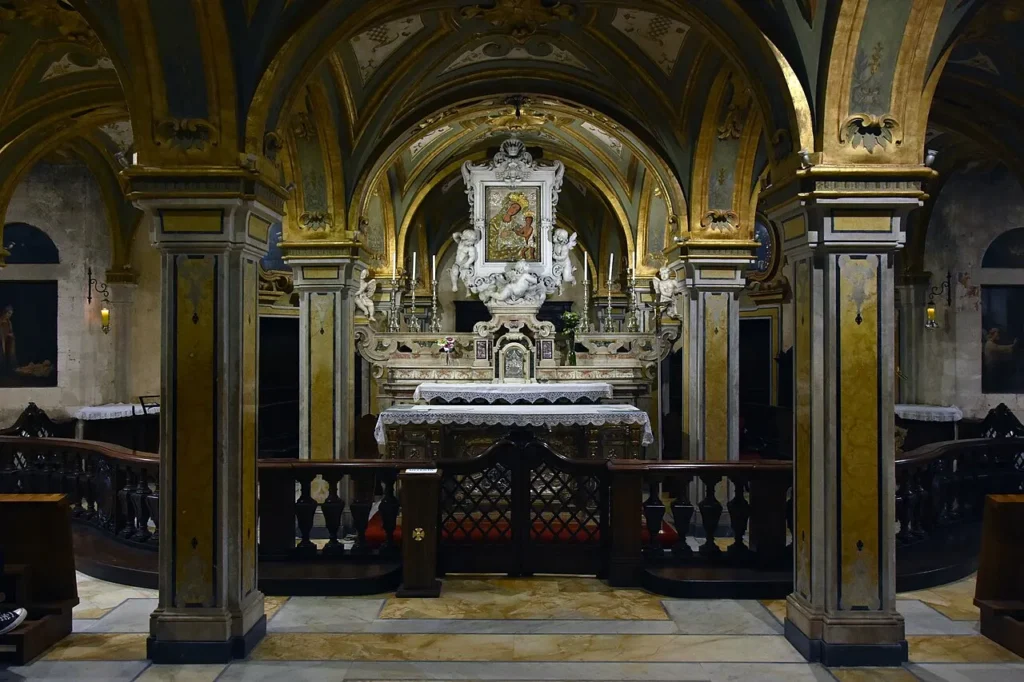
pixel 11 619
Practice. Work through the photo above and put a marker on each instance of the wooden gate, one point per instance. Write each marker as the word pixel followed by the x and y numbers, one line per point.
pixel 520 509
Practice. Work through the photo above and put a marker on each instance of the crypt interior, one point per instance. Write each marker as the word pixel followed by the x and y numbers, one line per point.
pixel 512 339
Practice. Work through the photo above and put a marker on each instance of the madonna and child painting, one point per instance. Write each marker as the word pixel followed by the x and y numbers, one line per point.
pixel 513 232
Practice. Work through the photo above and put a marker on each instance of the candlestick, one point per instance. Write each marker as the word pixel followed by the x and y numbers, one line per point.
pixel 585 317
pixel 394 321
pixel 435 319
pixel 632 323
pixel 608 309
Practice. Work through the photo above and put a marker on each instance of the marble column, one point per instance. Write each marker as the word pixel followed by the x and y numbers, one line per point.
pixel 843 607
pixel 210 608
pixel 716 278
pixel 326 276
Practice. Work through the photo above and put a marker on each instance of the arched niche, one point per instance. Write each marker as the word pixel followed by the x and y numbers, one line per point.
pixel 1006 251
pixel 28 245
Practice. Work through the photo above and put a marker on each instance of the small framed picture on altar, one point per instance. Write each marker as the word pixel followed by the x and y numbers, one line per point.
pixel 547 349
pixel 483 349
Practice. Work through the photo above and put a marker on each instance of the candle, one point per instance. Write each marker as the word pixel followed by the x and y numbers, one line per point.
pixel 611 261
pixel 414 268
pixel 433 267
pixel 394 265
pixel 584 270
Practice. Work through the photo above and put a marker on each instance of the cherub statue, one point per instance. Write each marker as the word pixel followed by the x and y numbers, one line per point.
pixel 465 257
pixel 561 268
pixel 363 297
pixel 515 285
pixel 665 289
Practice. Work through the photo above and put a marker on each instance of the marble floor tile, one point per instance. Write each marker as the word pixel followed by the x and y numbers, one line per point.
pixel 78 671
pixel 539 648
pixel 558 599
pixel 271 605
pixel 721 617
pixel 509 671
pixel 96 598
pixel 130 616
pixel 325 614
pixel 519 627
pixel 656 648
pixel 958 649
pixel 955 600
pixel 923 619
pixel 181 673
pixel 777 608
pixel 873 675
pixel 300 671
pixel 766 672
pixel 89 646
pixel 968 672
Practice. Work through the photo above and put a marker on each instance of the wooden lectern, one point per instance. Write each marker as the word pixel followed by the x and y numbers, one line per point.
pixel 1000 589
pixel 420 490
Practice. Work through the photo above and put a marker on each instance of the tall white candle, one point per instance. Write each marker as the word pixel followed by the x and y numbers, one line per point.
pixel 414 268
pixel 433 267
pixel 585 270
pixel 611 261
pixel 394 264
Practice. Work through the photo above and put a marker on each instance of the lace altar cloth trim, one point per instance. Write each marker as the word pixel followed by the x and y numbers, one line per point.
pixel 114 411
pixel 529 393
pixel 514 415
pixel 929 413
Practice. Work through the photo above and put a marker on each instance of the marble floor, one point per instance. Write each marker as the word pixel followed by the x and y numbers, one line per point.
pixel 492 628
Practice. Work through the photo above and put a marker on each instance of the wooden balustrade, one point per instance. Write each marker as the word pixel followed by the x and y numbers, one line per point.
pixel 745 506
pixel 352 484
pixel 111 488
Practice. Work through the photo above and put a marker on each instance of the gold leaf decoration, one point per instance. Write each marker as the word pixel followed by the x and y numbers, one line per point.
pixel 870 132
pixel 189 135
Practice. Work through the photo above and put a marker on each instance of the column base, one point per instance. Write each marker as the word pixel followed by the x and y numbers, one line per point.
pixel 846 655
pixel 182 652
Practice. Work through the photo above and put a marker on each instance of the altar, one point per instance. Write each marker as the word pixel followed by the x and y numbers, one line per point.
pixel 464 431
pixel 589 394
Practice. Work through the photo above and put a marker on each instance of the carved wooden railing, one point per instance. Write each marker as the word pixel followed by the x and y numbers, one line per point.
pixel 292 491
pixel 942 485
pixel 111 488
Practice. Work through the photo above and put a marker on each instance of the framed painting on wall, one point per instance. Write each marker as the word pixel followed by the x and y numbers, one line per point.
pixel 28 334
pixel 1002 339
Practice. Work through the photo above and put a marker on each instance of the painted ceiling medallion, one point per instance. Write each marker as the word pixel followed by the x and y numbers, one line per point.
pixel 428 139
pixel 520 19
pixel 659 37
pixel 66 65
pixel 613 143
pixel 493 51
pixel 373 47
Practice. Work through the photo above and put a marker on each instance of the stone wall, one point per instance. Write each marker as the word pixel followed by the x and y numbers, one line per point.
pixel 974 207
pixel 145 339
pixel 63 201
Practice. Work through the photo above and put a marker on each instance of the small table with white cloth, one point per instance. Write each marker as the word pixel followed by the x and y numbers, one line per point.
pixel 928 423
pixel 128 425
pixel 434 432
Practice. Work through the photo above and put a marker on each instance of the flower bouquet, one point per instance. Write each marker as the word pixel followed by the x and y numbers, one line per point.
pixel 447 346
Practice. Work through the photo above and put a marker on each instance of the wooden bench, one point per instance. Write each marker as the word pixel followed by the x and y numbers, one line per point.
pixel 1000 590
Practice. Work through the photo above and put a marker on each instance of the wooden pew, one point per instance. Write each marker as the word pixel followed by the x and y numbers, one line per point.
pixel 38 572
pixel 1000 589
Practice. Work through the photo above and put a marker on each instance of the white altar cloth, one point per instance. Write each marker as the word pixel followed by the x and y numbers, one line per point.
pixel 929 413
pixel 530 393
pixel 114 411
pixel 514 415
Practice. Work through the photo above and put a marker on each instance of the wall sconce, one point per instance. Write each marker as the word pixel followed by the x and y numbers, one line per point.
pixel 101 289
pixel 944 287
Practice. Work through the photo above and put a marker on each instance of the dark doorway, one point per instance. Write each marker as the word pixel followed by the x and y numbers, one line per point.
pixel 279 387
pixel 756 361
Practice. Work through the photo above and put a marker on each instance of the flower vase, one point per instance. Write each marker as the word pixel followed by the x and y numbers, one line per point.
pixel 571 357
pixel 447 358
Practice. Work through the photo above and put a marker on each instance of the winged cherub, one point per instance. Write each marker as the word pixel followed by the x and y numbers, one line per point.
pixel 364 295
pixel 465 257
pixel 562 245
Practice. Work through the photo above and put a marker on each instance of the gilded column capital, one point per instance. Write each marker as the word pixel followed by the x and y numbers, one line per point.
pixel 324 265
pixel 717 264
